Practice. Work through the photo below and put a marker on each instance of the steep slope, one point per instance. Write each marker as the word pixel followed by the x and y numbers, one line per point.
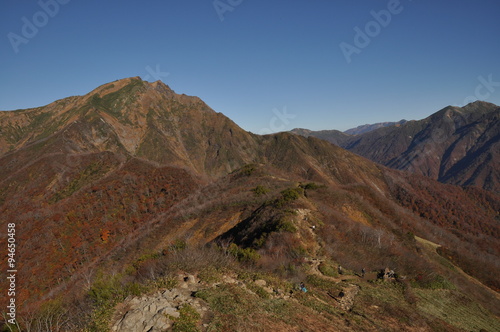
pixel 363 129
pixel 455 145
pixel 102 166
pixel 333 136
pixel 107 190
pixel 132 117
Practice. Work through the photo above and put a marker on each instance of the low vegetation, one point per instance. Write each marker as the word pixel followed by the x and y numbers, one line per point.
pixel 106 217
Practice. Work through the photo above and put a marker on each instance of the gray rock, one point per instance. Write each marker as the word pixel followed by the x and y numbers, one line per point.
pixel 261 283
pixel 153 313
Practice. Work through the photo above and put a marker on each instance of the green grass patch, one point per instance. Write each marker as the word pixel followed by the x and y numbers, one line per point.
pixel 260 190
pixel 328 269
pixel 311 186
pixel 247 255
pixel 105 293
pixel 233 307
pixel 261 292
pixel 187 321
pixel 318 306
pixel 92 171
pixel 210 274
pixel 455 309
pixel 286 226
pixel 319 282
pixel 288 195
pixel 432 282
pixel 167 282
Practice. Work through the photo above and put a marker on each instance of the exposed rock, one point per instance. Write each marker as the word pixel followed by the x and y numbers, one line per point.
pixel 346 296
pixel 269 290
pixel 154 313
pixel 261 283
pixel 229 280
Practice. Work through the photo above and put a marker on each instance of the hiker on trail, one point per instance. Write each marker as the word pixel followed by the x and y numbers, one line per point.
pixel 340 269
pixel 303 287
pixel 363 272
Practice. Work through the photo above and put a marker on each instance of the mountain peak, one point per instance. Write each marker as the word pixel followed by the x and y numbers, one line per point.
pixel 301 131
pixel 160 84
pixel 480 105
pixel 161 87
pixel 114 86
pixel 477 107
pixel 136 81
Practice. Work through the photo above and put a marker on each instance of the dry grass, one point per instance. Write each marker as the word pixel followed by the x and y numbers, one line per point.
pixel 456 309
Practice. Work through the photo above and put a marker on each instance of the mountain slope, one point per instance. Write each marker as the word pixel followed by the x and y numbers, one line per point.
pixel 131 117
pixel 363 129
pixel 455 145
pixel 113 191
pixel 333 136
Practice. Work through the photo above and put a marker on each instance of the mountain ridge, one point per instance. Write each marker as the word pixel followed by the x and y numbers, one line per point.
pixel 454 145
pixel 108 189
pixel 362 129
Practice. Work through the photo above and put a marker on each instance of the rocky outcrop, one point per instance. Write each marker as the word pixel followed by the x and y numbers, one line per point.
pixel 157 312
pixel 346 296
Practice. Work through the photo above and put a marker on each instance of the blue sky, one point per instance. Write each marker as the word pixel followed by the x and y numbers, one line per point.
pixel 268 65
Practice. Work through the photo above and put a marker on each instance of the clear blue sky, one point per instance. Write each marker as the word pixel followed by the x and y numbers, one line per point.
pixel 263 58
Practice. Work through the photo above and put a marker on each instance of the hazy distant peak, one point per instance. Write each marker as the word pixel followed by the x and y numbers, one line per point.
pixel 301 131
pixel 370 127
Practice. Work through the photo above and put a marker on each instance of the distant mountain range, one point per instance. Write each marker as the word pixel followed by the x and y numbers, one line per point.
pixel 455 145
pixel 363 129
pixel 134 196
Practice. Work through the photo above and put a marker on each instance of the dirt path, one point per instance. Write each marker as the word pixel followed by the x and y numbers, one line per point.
pixel 315 263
